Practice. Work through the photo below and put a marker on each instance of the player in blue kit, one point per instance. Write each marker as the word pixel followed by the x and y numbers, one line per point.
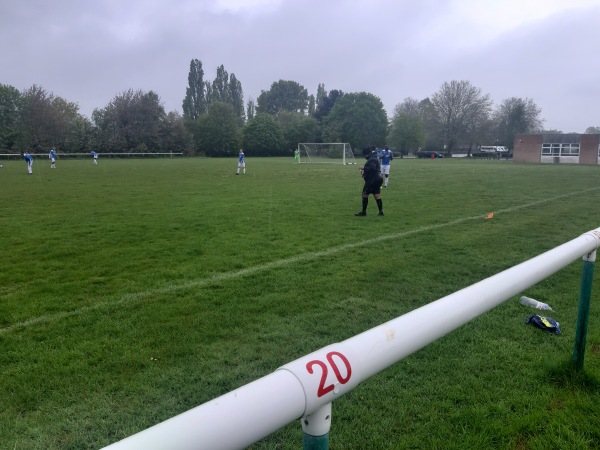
pixel 94 156
pixel 52 157
pixel 241 163
pixel 29 160
pixel 386 156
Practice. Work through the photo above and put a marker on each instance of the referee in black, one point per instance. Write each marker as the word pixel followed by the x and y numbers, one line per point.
pixel 371 173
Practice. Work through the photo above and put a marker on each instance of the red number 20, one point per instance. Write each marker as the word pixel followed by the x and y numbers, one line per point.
pixel 324 371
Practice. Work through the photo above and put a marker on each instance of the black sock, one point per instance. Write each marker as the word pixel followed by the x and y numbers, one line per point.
pixel 365 203
pixel 379 204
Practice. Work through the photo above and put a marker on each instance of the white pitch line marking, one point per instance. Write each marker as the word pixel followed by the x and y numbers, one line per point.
pixel 270 265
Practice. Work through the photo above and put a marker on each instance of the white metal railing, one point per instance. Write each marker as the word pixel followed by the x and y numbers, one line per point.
pixel 305 388
pixel 87 155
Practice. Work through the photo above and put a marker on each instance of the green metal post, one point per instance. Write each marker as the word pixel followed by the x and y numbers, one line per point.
pixel 315 442
pixel 583 314
pixel 315 428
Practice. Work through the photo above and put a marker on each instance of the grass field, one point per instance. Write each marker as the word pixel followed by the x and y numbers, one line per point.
pixel 134 290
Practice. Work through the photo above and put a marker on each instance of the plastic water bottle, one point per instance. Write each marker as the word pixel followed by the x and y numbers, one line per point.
pixel 535 304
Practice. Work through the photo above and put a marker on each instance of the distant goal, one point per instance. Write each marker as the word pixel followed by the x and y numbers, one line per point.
pixel 331 152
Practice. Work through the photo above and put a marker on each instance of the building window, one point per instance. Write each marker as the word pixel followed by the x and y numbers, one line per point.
pixel 561 149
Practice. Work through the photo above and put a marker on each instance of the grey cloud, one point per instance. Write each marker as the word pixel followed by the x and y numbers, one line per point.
pixel 89 52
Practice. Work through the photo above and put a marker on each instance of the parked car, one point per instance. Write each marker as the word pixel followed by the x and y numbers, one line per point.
pixel 429 155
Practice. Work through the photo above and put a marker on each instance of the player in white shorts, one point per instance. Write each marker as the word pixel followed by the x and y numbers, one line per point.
pixel 386 156
pixel 52 157
pixel 241 163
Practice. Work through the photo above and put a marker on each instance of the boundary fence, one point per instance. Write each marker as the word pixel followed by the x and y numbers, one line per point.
pixel 305 388
pixel 100 155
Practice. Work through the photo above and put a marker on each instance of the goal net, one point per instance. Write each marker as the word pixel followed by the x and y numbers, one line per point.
pixel 333 152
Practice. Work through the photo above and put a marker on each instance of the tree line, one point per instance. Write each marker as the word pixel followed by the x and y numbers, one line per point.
pixel 216 122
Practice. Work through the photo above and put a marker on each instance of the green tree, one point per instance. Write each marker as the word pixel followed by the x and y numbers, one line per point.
pixel 357 118
pixel 194 103
pixel 283 95
pixel 68 124
pixel 407 128
pixel 434 136
pixel 237 97
pixel 311 105
pixel 263 137
pixel 36 117
pixel 107 135
pixel 175 137
pixel 460 106
pixel 485 132
pixel 11 105
pixel 321 95
pixel 592 130
pixel 297 127
pixel 80 135
pixel 132 122
pixel 216 133
pixel 250 109
pixel 551 131
pixel 46 120
pixel 516 116
pixel 220 86
pixel 410 106
pixel 227 89
pixel 208 93
pixel 325 101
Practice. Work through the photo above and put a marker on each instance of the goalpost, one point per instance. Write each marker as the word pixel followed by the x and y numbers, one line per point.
pixel 328 152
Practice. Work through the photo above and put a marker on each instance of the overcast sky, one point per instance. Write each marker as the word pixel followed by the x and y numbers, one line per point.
pixel 87 52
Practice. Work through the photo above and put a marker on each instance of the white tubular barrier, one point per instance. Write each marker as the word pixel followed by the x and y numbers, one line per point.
pixel 233 420
pixel 242 417
pixel 342 366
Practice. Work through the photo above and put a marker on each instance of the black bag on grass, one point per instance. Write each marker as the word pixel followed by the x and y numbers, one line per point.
pixel 544 323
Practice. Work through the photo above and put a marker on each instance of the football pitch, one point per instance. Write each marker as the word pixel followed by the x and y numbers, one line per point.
pixel 137 289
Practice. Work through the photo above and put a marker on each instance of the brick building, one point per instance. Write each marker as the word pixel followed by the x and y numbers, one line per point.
pixel 557 148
